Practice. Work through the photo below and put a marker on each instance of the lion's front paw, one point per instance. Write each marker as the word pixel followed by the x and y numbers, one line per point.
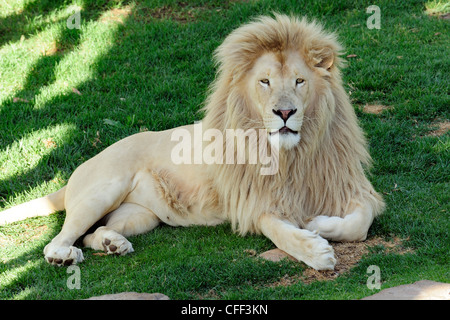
pixel 63 256
pixel 313 250
pixel 321 256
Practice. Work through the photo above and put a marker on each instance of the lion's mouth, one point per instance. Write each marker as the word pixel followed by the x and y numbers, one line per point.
pixel 284 130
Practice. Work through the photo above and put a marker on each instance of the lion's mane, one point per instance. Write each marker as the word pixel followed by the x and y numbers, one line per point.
pixel 324 174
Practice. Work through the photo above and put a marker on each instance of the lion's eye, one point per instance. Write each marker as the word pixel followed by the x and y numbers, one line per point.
pixel 264 82
pixel 299 81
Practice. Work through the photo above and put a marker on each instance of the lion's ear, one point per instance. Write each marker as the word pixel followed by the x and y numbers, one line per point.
pixel 323 58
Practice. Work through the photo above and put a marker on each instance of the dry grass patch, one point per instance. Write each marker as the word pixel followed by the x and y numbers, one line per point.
pixel 375 108
pixel 180 12
pixel 439 129
pixel 116 15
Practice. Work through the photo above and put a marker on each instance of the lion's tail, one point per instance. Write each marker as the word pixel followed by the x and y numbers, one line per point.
pixel 38 207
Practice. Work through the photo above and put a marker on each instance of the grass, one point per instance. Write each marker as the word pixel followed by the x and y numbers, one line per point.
pixel 66 94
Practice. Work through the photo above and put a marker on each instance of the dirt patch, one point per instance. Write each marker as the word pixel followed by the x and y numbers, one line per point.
pixel 49 143
pixel 116 15
pixel 50 49
pixel 442 128
pixel 181 12
pixel 347 254
pixel 375 108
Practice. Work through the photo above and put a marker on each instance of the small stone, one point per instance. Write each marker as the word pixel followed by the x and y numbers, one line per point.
pixel 420 290
pixel 276 255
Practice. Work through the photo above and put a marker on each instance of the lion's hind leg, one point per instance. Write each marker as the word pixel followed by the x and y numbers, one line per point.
pixel 127 220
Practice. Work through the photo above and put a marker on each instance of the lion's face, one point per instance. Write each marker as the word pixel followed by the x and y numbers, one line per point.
pixel 278 86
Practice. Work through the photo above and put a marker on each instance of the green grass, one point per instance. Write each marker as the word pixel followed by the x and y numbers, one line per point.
pixel 146 65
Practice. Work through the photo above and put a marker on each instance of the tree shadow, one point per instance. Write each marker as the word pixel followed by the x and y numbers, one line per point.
pixel 132 83
pixel 18 119
pixel 19 116
pixel 22 117
pixel 28 21
pixel 37 15
pixel 18 281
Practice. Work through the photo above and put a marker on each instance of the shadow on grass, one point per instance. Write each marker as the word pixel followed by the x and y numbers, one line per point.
pixel 19 118
pixel 18 275
pixel 122 86
pixel 28 21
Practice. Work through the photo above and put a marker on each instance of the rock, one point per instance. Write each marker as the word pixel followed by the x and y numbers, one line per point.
pixel 131 296
pixel 420 290
pixel 276 255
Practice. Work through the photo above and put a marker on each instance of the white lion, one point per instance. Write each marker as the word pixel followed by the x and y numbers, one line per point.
pixel 279 74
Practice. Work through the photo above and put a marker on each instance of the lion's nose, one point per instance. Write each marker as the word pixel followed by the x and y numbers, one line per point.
pixel 284 114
